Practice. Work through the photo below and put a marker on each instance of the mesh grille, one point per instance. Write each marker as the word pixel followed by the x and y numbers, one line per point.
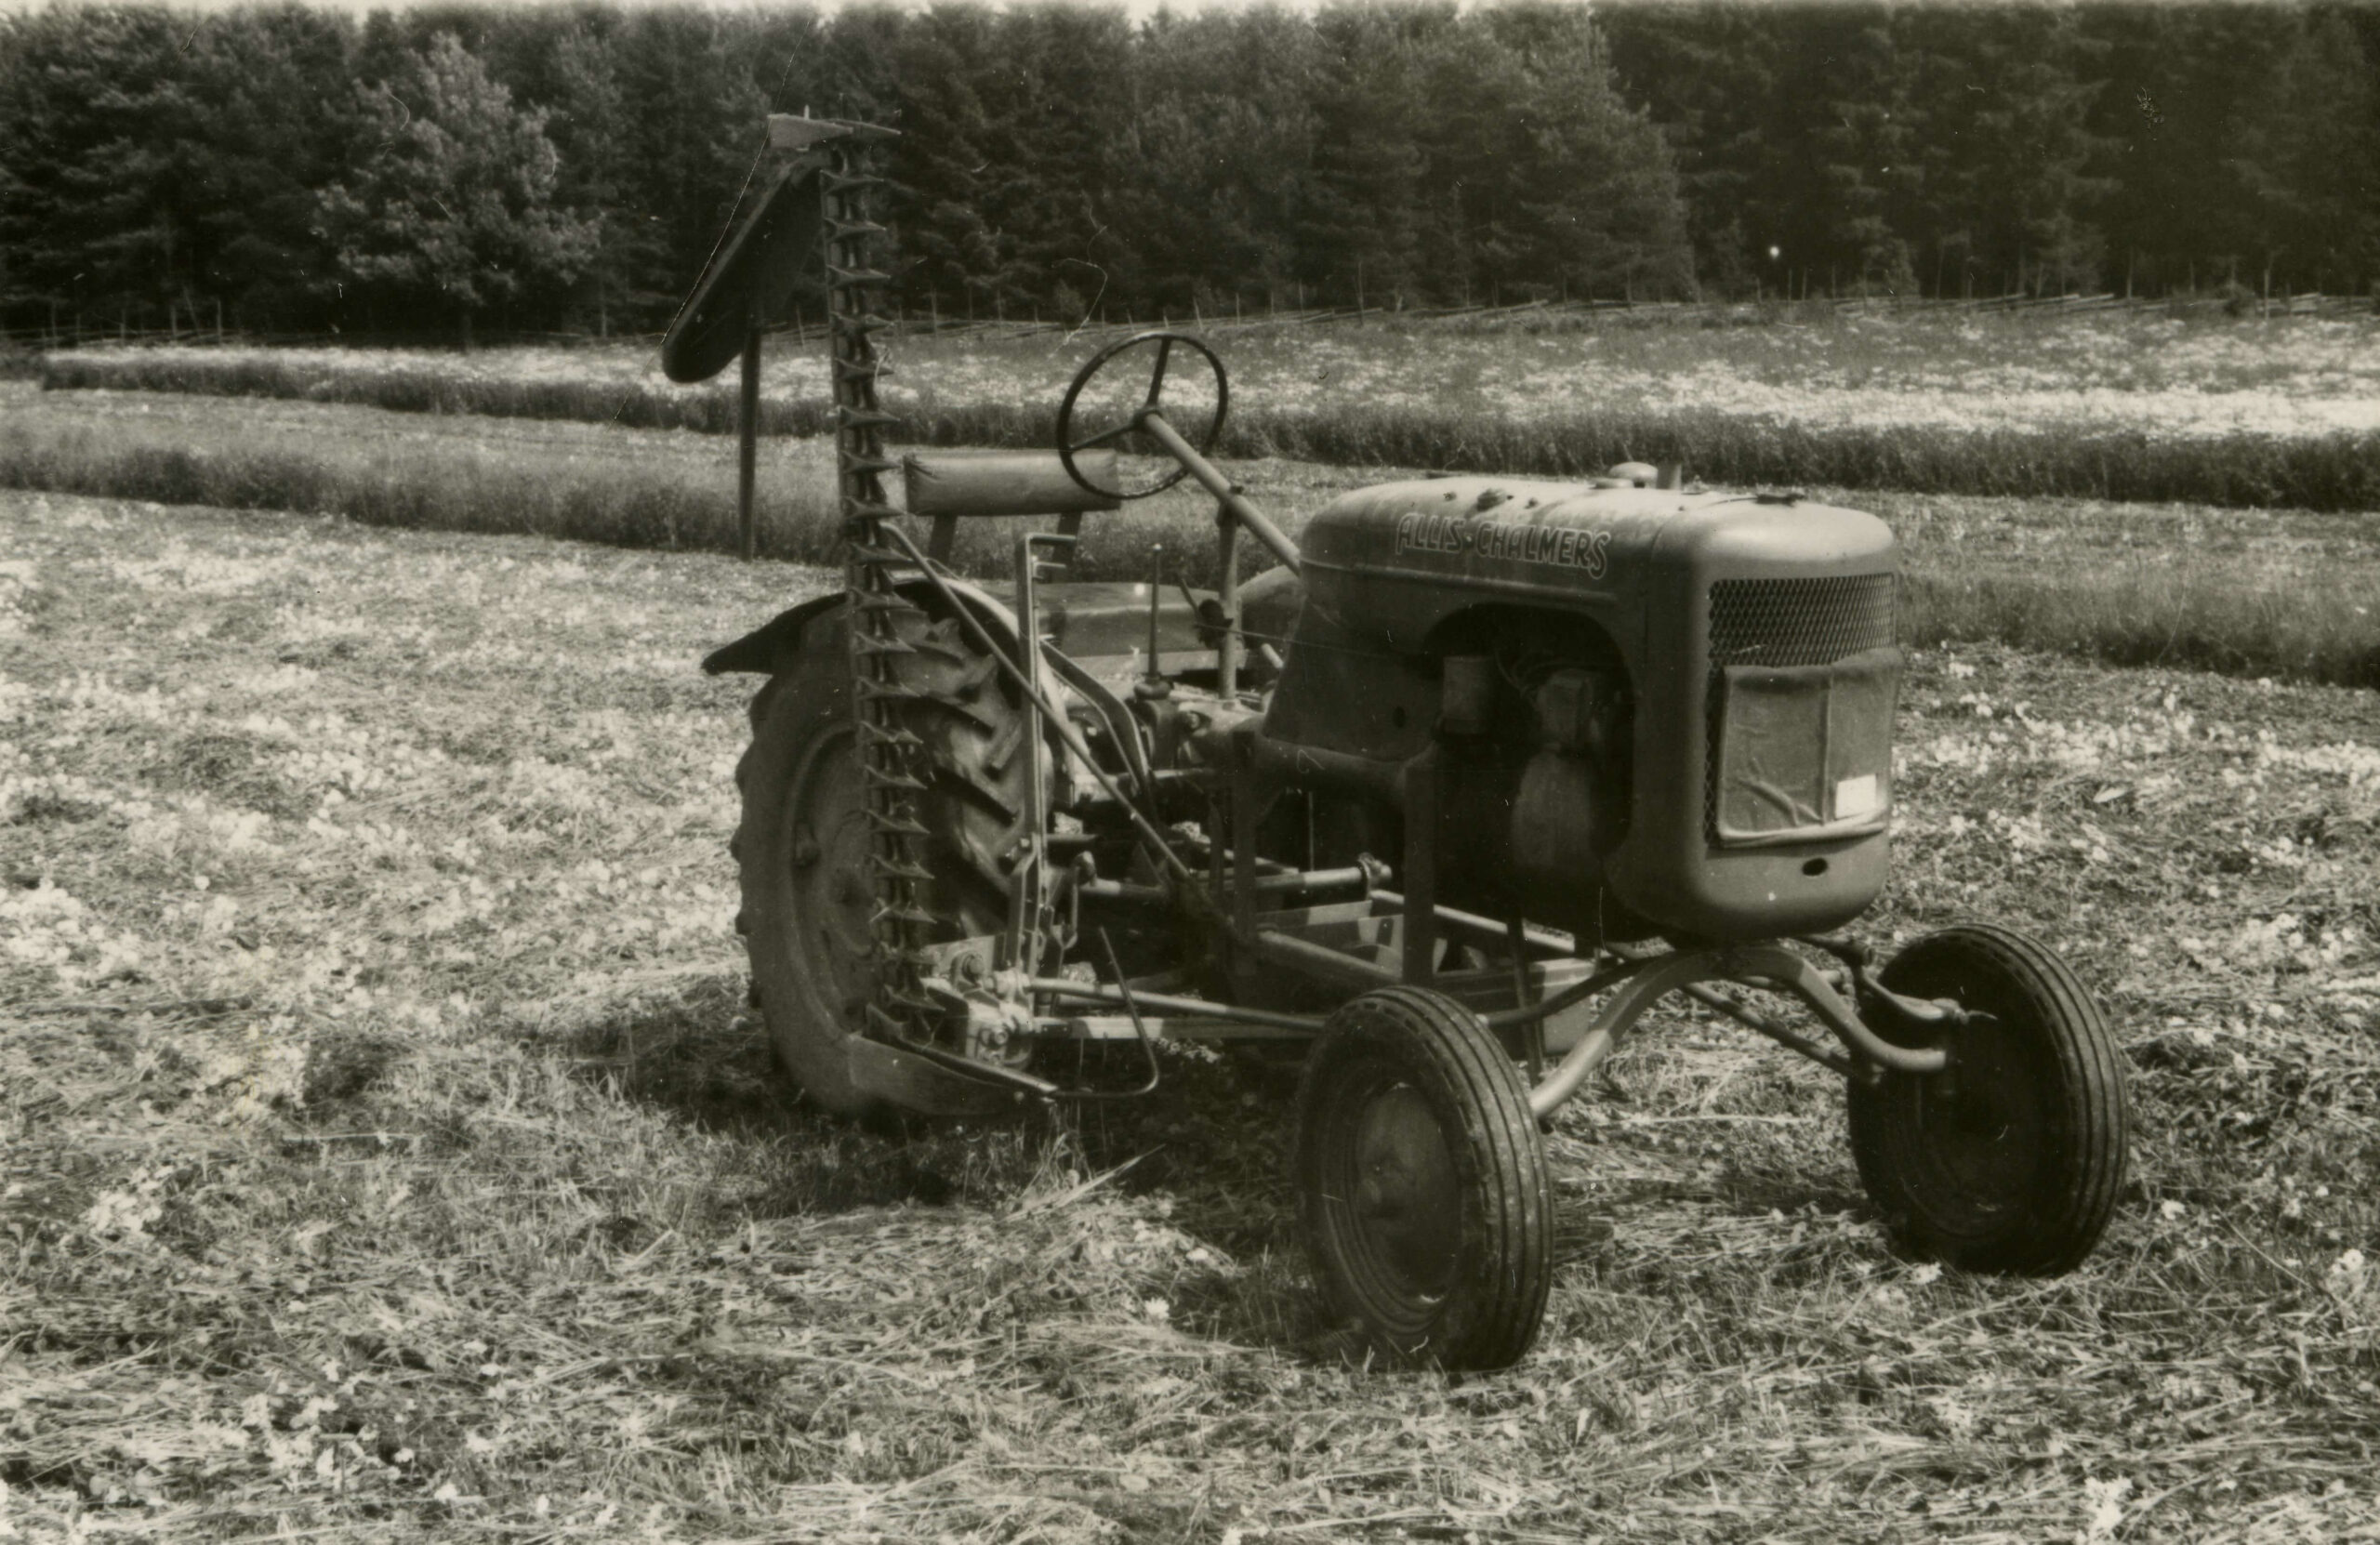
pixel 1788 622
pixel 1799 621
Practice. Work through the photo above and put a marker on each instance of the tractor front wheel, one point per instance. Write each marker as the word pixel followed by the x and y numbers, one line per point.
pixel 2011 1159
pixel 1422 1182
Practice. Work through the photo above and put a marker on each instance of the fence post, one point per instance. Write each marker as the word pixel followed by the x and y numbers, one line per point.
pixel 747 432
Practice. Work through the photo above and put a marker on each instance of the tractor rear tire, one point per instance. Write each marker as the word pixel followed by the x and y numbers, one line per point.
pixel 2011 1160
pixel 1422 1182
pixel 801 845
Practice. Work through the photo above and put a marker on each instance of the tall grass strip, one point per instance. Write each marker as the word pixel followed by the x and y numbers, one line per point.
pixel 2272 414
pixel 2285 594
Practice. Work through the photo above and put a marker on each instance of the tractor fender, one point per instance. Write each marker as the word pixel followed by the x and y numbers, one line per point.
pixel 769 648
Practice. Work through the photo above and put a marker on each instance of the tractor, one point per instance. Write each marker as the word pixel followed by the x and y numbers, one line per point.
pixel 1434 809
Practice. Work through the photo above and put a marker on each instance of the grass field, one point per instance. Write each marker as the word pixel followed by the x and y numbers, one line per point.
pixel 2132 404
pixel 2284 593
pixel 386 1157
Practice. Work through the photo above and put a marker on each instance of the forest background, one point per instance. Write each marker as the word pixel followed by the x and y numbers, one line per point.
pixel 422 173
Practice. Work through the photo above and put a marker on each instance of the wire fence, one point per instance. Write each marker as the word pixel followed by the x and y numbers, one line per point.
pixel 910 324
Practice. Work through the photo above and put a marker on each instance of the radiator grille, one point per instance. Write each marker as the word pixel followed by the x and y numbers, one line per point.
pixel 1788 622
pixel 1799 621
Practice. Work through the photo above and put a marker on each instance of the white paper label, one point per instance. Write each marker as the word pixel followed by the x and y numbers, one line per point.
pixel 1855 798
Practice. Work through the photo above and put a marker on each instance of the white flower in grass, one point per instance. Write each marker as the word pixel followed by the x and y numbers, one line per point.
pixel 2104 1500
pixel 127 1213
pixel 2354 1282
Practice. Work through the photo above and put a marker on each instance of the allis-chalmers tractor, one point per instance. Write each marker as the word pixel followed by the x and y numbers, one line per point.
pixel 1441 804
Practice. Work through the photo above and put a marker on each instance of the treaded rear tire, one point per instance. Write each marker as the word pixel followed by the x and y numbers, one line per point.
pixel 1422 1183
pixel 801 845
pixel 2016 1166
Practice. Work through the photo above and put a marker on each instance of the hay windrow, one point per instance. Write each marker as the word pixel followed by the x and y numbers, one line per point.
pixel 386 1156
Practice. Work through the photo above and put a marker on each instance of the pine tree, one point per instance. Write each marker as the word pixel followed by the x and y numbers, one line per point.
pixel 1589 185
pixel 1210 172
pixel 943 169
pixel 89 209
pixel 588 122
pixel 262 135
pixel 1358 232
pixel 1874 173
pixel 1063 64
pixel 2302 151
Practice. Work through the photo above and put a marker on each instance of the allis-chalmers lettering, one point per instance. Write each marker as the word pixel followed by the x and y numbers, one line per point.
pixel 1565 546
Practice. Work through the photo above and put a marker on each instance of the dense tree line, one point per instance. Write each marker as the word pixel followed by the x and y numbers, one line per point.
pixel 1954 150
pixel 444 167
pixel 419 171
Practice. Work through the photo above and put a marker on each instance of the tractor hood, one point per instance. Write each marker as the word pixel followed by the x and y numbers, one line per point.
pixel 1705 600
pixel 1571 544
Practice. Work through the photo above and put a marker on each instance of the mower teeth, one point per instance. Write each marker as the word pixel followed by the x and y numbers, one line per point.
pixel 898 884
pixel 876 734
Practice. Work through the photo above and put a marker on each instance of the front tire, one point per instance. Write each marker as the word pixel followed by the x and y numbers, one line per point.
pixel 2011 1160
pixel 1422 1183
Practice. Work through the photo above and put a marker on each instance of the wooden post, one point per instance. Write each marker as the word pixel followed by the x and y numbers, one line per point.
pixel 1227 596
pixel 747 432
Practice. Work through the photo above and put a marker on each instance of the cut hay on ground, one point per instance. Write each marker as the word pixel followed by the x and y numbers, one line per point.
pixel 387 1159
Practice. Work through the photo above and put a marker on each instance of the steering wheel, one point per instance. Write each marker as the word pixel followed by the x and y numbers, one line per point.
pixel 1132 434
